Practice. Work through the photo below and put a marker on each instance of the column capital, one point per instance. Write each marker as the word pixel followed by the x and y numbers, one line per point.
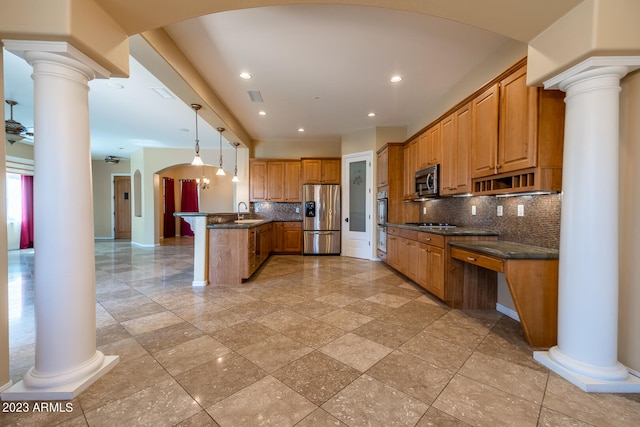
pixel 64 51
pixel 593 66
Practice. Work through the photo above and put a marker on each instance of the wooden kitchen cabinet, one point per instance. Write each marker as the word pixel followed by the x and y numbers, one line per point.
pixel 425 258
pixel 410 168
pixel 518 134
pixel 390 178
pixel 430 147
pixel 455 175
pixel 321 171
pixel 287 237
pixel 274 181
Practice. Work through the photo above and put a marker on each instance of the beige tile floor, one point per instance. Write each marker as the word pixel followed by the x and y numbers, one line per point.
pixel 309 341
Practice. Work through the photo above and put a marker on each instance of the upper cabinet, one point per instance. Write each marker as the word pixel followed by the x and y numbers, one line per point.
pixel 455 177
pixel 410 168
pixel 518 134
pixel 390 178
pixel 321 171
pixel 274 181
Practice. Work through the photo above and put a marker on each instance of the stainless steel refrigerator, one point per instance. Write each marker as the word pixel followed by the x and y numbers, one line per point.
pixel 321 220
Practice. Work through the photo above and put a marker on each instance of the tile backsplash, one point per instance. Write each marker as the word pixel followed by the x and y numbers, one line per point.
pixel 277 211
pixel 540 225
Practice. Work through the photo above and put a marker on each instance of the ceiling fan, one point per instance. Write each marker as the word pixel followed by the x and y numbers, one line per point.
pixel 15 131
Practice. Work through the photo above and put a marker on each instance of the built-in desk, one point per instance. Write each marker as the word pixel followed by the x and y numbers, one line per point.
pixel 532 276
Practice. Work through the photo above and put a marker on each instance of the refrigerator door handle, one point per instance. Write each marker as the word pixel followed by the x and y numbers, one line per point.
pixel 322 233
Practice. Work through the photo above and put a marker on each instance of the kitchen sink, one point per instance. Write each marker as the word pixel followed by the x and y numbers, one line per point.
pixel 247 221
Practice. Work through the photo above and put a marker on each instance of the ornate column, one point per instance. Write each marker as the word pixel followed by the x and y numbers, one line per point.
pixel 67 361
pixel 587 350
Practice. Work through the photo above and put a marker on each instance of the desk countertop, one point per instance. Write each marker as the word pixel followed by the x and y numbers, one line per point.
pixel 507 250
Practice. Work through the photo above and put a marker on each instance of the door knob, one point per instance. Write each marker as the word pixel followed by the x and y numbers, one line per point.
pixel 346 220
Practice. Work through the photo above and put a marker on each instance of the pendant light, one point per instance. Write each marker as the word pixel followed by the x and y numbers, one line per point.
pixel 235 169
pixel 197 161
pixel 220 170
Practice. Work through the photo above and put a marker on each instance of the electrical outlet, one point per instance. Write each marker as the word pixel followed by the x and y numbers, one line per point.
pixel 424 210
pixel 297 210
pixel 520 210
pixel 499 210
pixel 473 210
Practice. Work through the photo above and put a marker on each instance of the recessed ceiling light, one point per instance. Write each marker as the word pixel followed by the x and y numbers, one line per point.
pixel 395 79
pixel 262 113
pixel 300 129
pixel 371 114
pixel 244 75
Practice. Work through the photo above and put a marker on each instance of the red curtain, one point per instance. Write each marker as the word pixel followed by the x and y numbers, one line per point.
pixel 26 232
pixel 188 203
pixel 169 207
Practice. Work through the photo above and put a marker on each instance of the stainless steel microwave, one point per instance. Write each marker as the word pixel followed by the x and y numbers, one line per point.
pixel 427 182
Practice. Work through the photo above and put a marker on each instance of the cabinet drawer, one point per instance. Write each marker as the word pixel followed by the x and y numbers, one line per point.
pixel 475 258
pixel 431 239
pixel 409 234
pixel 393 231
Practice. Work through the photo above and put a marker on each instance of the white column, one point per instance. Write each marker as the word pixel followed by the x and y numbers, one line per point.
pixel 67 361
pixel 198 223
pixel 587 350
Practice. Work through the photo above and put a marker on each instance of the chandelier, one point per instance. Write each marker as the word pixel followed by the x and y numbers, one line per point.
pixel 14 131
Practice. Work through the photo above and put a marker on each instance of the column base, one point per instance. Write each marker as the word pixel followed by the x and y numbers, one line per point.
pixel 65 392
pixel 199 283
pixel 591 385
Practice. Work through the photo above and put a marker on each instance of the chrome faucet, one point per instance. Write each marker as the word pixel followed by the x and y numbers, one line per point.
pixel 245 206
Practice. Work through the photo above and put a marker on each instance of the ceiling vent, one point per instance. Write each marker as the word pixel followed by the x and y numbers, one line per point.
pixel 255 96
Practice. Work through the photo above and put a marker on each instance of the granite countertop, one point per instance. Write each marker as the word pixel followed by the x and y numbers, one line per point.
pixel 256 222
pixel 457 231
pixel 507 250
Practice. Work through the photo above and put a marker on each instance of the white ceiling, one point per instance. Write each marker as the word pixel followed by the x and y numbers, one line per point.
pixel 319 67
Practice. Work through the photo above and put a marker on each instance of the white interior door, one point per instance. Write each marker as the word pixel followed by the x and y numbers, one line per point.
pixel 357 205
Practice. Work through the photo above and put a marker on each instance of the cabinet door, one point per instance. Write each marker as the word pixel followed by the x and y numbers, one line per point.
pixel 275 181
pixel 410 163
pixel 422 151
pixel 412 254
pixel 382 172
pixel 292 184
pixel 278 233
pixel 311 171
pixel 331 171
pixel 292 237
pixel 449 161
pixel 434 145
pixel 436 271
pixel 518 127
pixel 460 179
pixel 423 265
pixel 258 181
pixel 392 251
pixel 484 143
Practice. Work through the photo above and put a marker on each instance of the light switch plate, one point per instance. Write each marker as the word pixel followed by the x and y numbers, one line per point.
pixel 499 213
pixel 473 210
pixel 520 210
pixel 424 210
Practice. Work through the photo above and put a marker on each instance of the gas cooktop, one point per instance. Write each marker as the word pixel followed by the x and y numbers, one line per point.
pixel 432 224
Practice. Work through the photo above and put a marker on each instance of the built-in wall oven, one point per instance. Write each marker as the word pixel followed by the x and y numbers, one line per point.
pixel 383 202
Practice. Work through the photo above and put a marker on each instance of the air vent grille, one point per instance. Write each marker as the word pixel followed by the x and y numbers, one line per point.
pixel 255 96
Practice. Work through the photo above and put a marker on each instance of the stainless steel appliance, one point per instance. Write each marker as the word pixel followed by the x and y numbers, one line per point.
pixel 321 220
pixel 426 182
pixel 383 202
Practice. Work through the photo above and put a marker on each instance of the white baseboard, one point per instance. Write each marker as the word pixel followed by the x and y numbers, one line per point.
pixel 144 246
pixel 6 386
pixel 507 312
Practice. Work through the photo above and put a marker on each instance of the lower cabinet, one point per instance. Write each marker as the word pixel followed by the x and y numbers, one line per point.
pixel 425 258
pixel 287 237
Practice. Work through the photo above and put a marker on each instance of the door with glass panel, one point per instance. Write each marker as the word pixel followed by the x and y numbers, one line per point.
pixel 357 205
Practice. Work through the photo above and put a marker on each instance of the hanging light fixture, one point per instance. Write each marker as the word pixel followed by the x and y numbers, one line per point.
pixel 235 169
pixel 197 161
pixel 14 131
pixel 220 169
